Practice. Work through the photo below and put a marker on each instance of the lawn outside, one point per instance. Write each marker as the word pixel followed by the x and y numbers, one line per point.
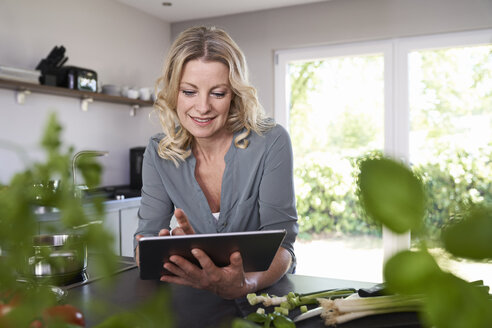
pixel 361 258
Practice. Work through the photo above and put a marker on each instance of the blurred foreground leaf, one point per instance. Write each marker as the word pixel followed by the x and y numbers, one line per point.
pixel 454 303
pixel 391 194
pixel 471 237
pixel 28 190
pixel 154 313
pixel 410 272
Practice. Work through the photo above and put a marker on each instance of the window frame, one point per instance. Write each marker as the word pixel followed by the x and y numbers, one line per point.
pixel 396 94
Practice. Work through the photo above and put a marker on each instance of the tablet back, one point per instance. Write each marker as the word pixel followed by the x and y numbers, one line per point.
pixel 257 249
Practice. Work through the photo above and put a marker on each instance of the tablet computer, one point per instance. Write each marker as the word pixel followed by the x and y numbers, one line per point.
pixel 257 250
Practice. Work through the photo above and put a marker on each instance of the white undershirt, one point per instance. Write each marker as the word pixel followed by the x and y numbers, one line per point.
pixel 216 215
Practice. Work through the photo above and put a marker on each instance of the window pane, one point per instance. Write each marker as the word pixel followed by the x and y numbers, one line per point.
pixel 336 115
pixel 451 138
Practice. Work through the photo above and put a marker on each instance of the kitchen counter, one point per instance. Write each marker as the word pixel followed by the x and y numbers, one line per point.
pixel 47 214
pixel 121 203
pixel 196 308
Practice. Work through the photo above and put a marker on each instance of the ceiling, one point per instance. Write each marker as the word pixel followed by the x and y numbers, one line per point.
pixel 183 10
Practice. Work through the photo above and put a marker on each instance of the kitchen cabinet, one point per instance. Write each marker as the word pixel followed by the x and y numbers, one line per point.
pixel 112 224
pixel 128 226
pixel 122 220
pixel 24 88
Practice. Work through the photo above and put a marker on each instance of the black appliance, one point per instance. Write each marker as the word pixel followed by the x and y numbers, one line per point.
pixel 136 160
pixel 77 78
pixel 55 74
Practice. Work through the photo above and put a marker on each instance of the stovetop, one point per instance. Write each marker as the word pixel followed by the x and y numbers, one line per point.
pixel 124 263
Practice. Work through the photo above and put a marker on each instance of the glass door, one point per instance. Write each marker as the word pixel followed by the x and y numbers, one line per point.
pixel 336 115
pixel 451 139
pixel 425 100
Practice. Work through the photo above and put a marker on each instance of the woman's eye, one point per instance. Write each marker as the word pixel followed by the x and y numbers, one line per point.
pixel 188 93
pixel 218 94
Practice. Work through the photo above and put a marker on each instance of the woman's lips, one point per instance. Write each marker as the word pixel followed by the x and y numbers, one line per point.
pixel 202 121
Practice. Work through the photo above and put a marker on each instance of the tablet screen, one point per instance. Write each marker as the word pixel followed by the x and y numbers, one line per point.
pixel 257 249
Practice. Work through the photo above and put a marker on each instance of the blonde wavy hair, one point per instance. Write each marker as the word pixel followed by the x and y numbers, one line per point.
pixel 209 44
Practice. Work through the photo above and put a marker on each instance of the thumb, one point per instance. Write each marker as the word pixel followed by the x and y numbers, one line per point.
pixel 236 260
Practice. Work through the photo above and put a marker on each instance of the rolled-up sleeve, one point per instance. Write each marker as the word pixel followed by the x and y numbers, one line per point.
pixel 156 208
pixel 276 193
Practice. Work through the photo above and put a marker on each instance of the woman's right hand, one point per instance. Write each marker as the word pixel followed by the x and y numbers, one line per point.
pixel 184 227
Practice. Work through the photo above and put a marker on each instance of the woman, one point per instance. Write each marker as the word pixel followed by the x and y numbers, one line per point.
pixel 219 166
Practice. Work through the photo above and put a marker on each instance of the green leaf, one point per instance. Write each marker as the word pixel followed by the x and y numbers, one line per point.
pixel 257 317
pixel 153 313
pixel 472 236
pixel 391 194
pixel 18 224
pixel 241 323
pixel 91 170
pixel 281 321
pixel 51 138
pixel 454 303
pixel 410 272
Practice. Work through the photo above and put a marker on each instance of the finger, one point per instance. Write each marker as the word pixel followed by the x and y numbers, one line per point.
pixel 236 260
pixel 205 262
pixel 178 231
pixel 164 232
pixel 189 269
pixel 137 256
pixel 174 269
pixel 183 221
pixel 177 280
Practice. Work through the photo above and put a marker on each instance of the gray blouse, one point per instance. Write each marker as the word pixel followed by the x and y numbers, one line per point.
pixel 257 190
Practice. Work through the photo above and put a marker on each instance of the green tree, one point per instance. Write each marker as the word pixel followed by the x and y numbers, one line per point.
pixel 453 176
pixel 302 79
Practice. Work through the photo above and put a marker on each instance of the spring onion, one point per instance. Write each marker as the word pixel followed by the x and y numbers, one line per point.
pixel 341 310
pixel 266 299
pixel 293 300
pixel 281 310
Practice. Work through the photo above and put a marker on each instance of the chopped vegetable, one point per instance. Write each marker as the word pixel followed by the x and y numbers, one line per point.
pixel 303 308
pixel 266 299
pixel 281 310
pixel 345 309
pixel 293 300
pixel 260 310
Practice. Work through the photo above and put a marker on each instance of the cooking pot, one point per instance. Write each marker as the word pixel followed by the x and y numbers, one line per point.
pixel 57 258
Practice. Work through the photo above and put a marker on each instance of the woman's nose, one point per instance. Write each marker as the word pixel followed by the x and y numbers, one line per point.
pixel 202 105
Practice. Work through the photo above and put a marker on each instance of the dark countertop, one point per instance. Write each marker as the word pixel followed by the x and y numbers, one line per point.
pixel 196 308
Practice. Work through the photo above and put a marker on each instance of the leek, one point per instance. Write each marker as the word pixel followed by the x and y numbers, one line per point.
pixel 341 310
pixel 293 300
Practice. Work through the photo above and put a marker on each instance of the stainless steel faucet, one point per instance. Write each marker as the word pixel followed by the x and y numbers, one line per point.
pixel 85 153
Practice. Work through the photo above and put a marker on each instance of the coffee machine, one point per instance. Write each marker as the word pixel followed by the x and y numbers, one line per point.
pixel 136 160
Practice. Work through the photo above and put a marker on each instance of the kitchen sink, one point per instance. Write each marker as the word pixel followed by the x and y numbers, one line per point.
pixel 112 192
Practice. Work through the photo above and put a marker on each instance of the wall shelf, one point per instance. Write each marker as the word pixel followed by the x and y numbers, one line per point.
pixel 24 88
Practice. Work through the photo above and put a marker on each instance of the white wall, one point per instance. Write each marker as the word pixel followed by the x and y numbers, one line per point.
pixel 260 33
pixel 123 45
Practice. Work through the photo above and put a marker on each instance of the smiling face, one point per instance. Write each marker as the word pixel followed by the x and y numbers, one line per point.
pixel 204 99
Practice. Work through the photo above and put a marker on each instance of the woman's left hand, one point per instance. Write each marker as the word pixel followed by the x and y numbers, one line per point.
pixel 227 282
